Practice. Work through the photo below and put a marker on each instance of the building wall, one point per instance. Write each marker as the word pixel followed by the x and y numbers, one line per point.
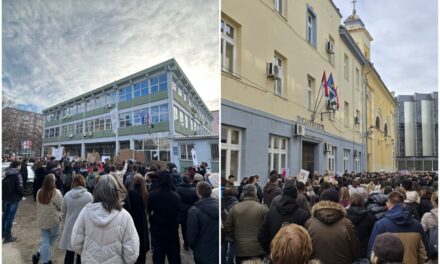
pixel 248 86
pixel 203 148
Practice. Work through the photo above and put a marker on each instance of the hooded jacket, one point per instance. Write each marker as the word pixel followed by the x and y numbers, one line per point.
pixel 269 192
pixel 103 237
pixel 14 191
pixel 331 230
pixel 202 230
pixel 74 202
pixel 286 210
pixel 188 196
pixel 376 204
pixel 243 224
pixel 364 222
pixel 399 222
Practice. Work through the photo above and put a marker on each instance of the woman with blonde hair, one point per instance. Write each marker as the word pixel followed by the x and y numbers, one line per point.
pixel 344 197
pixel 291 245
pixel 49 203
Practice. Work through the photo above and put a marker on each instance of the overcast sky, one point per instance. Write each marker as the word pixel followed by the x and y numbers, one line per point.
pixel 404 49
pixel 54 50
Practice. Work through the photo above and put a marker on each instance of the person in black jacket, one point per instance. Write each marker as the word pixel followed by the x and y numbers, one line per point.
pixel 176 179
pixel 285 210
pixel 163 209
pixel 40 173
pixel 363 220
pixel 203 226
pixel 136 204
pixel 23 171
pixel 12 193
pixel 254 180
pixel 188 196
pixel 376 204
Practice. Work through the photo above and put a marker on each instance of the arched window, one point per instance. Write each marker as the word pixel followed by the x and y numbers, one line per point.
pixel 378 122
pixel 385 129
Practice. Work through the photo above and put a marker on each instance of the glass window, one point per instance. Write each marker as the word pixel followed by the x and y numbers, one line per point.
pixel 57 132
pixel 64 130
pixel 79 128
pixel 346 159
pixel 99 101
pixel 176 113
pixel 80 107
pixel 89 126
pixel 214 152
pixel 310 89
pixel 159 83
pixel 231 150
pixel 125 119
pixel 228 46
pixel 111 98
pixel 277 153
pixel 311 26
pixel 99 124
pixel 279 81
pixel 185 151
pixel 125 94
pixel 346 67
pixel 140 117
pixel 141 88
pixel 331 159
pixel 108 123
pixel 279 6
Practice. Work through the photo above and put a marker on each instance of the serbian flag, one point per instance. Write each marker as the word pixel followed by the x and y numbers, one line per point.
pixel 331 87
pixel 324 86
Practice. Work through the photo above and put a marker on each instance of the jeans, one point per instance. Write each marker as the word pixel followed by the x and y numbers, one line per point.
pixel 69 258
pixel 48 236
pixel 9 210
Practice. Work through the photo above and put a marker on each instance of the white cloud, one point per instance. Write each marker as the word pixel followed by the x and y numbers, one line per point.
pixel 55 50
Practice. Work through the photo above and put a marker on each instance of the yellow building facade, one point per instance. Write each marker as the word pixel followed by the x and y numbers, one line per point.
pixel 274 114
pixel 381 105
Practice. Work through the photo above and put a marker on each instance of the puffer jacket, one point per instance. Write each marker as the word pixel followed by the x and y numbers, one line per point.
pixel 15 183
pixel 399 222
pixel 430 219
pixel 202 229
pixel 269 192
pixel 364 222
pixel 376 204
pixel 331 230
pixel 49 215
pixel 103 237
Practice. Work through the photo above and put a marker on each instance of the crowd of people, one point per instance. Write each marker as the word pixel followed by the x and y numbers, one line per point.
pixel 116 213
pixel 350 218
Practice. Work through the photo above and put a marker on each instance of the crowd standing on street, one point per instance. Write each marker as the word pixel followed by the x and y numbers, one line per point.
pixel 117 213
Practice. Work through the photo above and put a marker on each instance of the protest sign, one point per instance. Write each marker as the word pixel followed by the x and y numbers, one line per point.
pixel 194 157
pixel 104 158
pixel 303 176
pixel 58 153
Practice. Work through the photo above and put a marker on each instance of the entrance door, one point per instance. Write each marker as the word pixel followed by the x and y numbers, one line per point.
pixel 308 157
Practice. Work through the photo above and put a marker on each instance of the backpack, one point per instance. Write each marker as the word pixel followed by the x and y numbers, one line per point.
pixel 432 238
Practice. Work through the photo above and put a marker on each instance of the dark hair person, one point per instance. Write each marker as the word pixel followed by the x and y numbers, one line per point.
pixel 49 202
pixel 102 219
pixel 136 205
pixel 74 202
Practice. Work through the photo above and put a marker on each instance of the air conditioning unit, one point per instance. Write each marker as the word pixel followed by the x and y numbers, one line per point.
pixel 90 133
pixel 327 147
pixel 357 120
pixel 71 135
pixel 299 130
pixel 109 105
pixel 331 105
pixel 85 134
pixel 355 153
pixel 274 71
pixel 329 47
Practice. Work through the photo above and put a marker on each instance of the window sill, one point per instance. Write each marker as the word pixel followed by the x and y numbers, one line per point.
pixel 232 75
pixel 280 96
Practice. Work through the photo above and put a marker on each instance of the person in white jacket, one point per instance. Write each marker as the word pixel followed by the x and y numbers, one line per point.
pixel 104 232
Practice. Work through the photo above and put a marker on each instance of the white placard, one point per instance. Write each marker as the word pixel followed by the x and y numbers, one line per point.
pixel 194 157
pixel 103 158
pixel 58 153
pixel 303 176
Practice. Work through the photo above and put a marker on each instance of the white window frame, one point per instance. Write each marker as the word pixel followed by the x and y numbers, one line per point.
pixel 346 114
pixel 277 150
pixel 185 151
pixel 357 164
pixel 280 7
pixel 346 66
pixel 228 146
pixel 311 27
pixel 310 89
pixel 279 83
pixel 225 39
pixel 331 158
pixel 346 159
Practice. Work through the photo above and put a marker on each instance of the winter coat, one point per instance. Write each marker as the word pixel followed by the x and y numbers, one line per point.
pixel 243 224
pixel 399 222
pixel 13 192
pixel 24 173
pixel 202 230
pixel 301 201
pixel 364 222
pixel 269 192
pixel 425 206
pixel 40 173
pixel 58 181
pixel 259 192
pixel 103 237
pixel 430 219
pixel 176 180
pixel 188 196
pixel 284 211
pixel 137 209
pixel 49 215
pixel 331 230
pixel 376 204
pixel 74 202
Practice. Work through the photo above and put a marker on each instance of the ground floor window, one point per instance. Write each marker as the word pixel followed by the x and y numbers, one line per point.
pixel 357 163
pixel 231 138
pixel 346 159
pixel 185 151
pixel 332 159
pixel 214 152
pixel 277 153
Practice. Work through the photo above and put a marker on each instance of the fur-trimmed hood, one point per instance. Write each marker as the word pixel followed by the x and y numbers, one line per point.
pixel 328 212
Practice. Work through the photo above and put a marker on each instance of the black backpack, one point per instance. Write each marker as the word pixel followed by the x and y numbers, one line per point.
pixel 432 238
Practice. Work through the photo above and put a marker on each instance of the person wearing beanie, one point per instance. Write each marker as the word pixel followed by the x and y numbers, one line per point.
pixel 243 224
pixel 334 237
pixel 387 249
pixel 197 178
pixel 214 180
pixel 271 189
pixel 398 221
pixel 286 210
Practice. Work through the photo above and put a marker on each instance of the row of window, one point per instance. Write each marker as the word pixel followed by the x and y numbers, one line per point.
pixel 185 120
pixel 185 151
pixel 152 115
pixel 142 88
pixel 231 149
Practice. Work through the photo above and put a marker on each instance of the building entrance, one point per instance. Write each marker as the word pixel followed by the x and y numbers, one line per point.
pixel 308 157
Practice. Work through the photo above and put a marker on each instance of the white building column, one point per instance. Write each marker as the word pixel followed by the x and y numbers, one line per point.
pixel 117 147
pixel 83 150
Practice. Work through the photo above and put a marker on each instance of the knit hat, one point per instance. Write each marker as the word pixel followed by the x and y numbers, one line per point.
pixel 198 177
pixel 330 195
pixel 388 248
pixel 290 190
pixel 214 180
